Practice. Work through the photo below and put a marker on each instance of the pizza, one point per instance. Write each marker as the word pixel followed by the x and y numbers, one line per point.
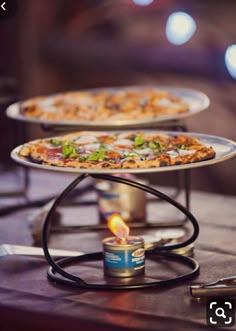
pixel 116 150
pixel 116 105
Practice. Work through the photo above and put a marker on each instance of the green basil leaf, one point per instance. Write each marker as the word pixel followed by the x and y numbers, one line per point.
pixel 56 142
pixel 133 137
pixel 82 158
pixel 130 155
pixel 176 150
pixel 152 145
pixel 155 145
pixel 69 150
pixel 139 140
pixel 181 146
pixel 98 155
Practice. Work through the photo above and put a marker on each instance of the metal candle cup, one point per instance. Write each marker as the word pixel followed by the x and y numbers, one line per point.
pixel 124 259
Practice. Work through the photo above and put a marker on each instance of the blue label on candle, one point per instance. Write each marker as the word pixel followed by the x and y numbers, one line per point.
pixel 125 259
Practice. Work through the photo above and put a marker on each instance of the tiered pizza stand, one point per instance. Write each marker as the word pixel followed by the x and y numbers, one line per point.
pixel 196 100
pixel 224 148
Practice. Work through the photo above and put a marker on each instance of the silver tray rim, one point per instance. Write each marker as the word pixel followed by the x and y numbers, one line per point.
pixel 13 111
pixel 207 139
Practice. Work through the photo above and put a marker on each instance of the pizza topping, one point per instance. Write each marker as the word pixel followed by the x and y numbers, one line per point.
pixel 85 140
pixel 92 147
pixel 130 155
pixel 112 155
pixel 125 135
pixel 97 156
pixel 82 158
pixel 186 152
pixel 126 143
pixel 139 141
pixel 108 105
pixel 102 147
pixel 69 150
pixel 164 102
pixel 83 101
pixel 55 142
pixel 54 153
pixel 143 151
pixel 48 104
pixel 177 152
pixel 155 145
pixel 173 153
pixel 152 144
pixel 117 151
pixel 181 146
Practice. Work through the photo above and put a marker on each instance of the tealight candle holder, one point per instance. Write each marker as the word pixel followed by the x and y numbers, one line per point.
pixel 123 255
pixel 123 259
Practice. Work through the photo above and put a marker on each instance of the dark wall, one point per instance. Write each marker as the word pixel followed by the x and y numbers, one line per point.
pixel 65 45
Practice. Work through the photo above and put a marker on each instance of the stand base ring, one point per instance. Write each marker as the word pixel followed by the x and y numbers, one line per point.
pixel 164 251
pixel 77 282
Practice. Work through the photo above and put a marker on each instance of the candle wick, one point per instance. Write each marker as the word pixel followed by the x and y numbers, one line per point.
pixel 122 241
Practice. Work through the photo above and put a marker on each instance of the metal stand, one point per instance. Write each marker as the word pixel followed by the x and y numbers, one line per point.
pixel 160 251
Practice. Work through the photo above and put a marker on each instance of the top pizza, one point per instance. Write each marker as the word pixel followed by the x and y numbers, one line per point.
pixel 110 105
pixel 126 150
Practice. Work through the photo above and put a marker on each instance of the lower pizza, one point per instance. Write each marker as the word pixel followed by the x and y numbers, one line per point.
pixel 126 150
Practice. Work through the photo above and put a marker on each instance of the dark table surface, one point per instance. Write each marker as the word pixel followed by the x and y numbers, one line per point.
pixel 29 301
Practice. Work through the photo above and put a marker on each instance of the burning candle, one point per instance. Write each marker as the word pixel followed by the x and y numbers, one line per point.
pixel 124 255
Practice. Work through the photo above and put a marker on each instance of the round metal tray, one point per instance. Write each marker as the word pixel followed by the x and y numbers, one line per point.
pixel 224 148
pixel 196 100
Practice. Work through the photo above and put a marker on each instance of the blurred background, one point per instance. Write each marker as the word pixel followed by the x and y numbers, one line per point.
pixel 61 45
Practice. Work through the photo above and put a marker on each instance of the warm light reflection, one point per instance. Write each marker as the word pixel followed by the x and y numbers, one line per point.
pixel 143 2
pixel 230 60
pixel 180 27
pixel 118 226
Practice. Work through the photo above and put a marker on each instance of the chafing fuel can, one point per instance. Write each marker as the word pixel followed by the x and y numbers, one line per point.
pixel 124 260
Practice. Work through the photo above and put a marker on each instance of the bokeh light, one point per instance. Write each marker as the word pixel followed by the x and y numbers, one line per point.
pixel 230 60
pixel 180 27
pixel 143 2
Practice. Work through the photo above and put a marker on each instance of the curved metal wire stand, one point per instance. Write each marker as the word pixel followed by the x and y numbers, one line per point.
pixel 163 251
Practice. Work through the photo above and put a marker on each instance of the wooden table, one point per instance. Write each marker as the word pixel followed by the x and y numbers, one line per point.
pixel 30 302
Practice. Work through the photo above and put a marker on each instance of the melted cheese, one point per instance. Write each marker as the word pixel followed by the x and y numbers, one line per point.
pixel 181 152
pixel 81 100
pixel 48 105
pixel 143 151
pixel 166 103
pixel 86 140
pixel 186 152
pixel 124 142
pixel 173 154
pixel 92 147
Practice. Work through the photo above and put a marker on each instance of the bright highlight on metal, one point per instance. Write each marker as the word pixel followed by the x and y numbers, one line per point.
pixel 180 28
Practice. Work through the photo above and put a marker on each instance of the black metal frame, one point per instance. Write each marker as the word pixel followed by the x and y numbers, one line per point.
pixel 164 251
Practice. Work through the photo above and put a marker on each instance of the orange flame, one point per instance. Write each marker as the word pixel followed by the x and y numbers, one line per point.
pixel 118 226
